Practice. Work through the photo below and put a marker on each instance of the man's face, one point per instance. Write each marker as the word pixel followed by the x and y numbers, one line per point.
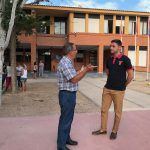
pixel 74 52
pixel 114 48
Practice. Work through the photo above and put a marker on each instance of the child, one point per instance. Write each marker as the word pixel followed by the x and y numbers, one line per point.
pixel 24 77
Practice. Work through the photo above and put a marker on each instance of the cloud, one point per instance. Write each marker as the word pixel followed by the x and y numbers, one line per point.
pixel 92 4
pixel 144 5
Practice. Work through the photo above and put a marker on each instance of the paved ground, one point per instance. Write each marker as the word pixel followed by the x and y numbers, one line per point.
pixel 137 95
pixel 41 98
pixel 39 133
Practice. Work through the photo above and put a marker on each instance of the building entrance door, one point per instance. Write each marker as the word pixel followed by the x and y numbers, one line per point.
pixel 47 62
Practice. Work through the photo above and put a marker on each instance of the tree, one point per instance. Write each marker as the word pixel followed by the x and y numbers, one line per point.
pixel 14 19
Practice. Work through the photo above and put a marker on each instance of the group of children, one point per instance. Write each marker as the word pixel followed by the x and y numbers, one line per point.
pixel 21 71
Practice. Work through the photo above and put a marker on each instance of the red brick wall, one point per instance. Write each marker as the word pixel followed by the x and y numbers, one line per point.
pixel 99 40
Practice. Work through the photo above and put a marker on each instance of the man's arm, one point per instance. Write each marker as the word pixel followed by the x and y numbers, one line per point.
pixel 82 73
pixel 130 76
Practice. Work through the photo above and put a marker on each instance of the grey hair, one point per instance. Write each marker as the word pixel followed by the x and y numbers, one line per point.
pixel 68 47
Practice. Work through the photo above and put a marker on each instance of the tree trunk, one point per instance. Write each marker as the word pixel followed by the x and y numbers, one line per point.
pixel 13 61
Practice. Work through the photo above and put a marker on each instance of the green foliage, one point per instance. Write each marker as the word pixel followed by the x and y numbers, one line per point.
pixel 23 21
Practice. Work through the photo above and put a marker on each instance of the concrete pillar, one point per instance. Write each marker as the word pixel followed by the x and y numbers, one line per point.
pixel 33 51
pixel 126 50
pixel 71 18
pixel 86 22
pixel 101 29
pixel 100 58
pixel 137 55
pixel 126 24
pixel 138 24
pixel 52 25
pixel 114 24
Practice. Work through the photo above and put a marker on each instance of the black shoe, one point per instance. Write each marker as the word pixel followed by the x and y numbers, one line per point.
pixel 66 148
pixel 98 132
pixel 113 135
pixel 71 142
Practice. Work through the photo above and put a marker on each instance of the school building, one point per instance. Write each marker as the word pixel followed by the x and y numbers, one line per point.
pixel 91 30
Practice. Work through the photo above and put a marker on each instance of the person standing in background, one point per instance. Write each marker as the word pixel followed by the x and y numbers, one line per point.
pixel 35 69
pixel 4 74
pixel 41 68
pixel 24 76
pixel 8 78
pixel 19 69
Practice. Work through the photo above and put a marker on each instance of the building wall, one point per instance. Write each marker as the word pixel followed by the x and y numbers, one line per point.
pixel 90 31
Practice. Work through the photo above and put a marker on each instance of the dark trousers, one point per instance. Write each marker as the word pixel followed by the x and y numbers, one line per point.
pixel 67 102
pixel 3 79
pixel 19 81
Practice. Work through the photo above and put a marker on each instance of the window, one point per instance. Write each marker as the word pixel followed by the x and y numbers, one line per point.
pixel 79 22
pixel 108 24
pixel 143 25
pixel 131 54
pixel 142 56
pixel 94 21
pixel 60 25
pixel 120 24
pixel 132 25
pixel 44 24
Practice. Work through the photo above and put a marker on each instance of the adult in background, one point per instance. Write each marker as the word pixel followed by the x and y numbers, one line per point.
pixel 41 68
pixel 4 75
pixel 19 71
pixel 8 78
pixel 35 70
pixel 68 80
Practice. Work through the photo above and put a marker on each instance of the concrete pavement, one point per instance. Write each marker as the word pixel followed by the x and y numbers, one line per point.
pixel 93 87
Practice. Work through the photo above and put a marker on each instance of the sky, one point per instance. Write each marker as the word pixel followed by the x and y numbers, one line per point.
pixel 132 5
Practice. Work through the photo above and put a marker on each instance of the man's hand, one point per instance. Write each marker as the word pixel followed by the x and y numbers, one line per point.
pixel 130 76
pixel 90 67
pixel 82 73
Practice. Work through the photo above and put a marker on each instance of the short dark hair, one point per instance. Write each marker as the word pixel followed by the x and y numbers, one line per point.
pixel 68 47
pixel 117 41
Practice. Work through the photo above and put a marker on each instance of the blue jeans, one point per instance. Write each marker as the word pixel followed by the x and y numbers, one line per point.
pixel 67 102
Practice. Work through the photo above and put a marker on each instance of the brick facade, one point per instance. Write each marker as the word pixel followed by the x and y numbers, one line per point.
pixel 52 40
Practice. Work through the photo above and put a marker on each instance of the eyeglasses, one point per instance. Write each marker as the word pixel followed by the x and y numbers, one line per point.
pixel 112 46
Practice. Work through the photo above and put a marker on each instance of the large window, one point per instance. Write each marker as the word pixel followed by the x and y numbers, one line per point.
pixel 142 56
pixel 44 24
pixel 131 54
pixel 79 22
pixel 132 25
pixel 120 24
pixel 60 25
pixel 108 24
pixel 143 25
pixel 94 20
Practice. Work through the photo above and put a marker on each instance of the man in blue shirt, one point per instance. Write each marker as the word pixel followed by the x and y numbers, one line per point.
pixel 68 80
